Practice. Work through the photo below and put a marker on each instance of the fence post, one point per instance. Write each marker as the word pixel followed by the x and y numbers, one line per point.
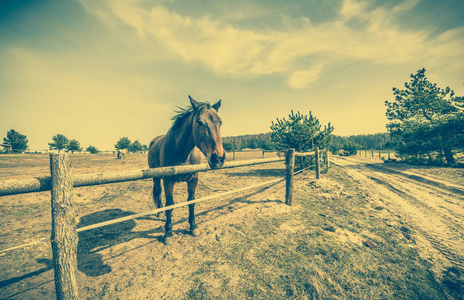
pixel 318 164
pixel 290 163
pixel 327 157
pixel 372 153
pixel 262 155
pixel 388 153
pixel 64 236
pixel 379 154
pixel 234 155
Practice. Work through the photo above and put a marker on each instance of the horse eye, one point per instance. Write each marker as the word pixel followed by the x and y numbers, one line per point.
pixel 200 123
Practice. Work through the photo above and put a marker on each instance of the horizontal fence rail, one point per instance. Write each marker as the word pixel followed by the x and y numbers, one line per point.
pixel 39 184
pixel 300 154
pixel 155 211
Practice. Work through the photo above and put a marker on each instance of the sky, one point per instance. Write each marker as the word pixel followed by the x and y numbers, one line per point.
pixel 96 71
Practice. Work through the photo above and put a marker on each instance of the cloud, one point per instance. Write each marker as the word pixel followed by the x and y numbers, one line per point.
pixel 406 5
pixel 233 51
pixel 353 8
pixel 301 78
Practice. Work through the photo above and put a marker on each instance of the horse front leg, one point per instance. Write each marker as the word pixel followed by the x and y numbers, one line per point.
pixel 192 185
pixel 157 193
pixel 168 191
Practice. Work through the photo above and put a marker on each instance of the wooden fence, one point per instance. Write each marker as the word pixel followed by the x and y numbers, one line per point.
pixel 383 154
pixel 64 237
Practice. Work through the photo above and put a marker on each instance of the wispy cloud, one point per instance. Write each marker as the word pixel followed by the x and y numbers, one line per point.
pixel 301 78
pixel 230 50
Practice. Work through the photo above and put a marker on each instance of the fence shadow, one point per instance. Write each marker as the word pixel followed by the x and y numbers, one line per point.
pixel 89 261
pixel 48 266
pixel 224 208
pixel 91 242
pixel 259 172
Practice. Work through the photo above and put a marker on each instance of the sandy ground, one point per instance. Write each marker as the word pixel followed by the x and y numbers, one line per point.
pixel 129 261
pixel 431 204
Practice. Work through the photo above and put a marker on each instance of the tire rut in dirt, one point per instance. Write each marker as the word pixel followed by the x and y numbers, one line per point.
pixel 443 233
pixel 408 193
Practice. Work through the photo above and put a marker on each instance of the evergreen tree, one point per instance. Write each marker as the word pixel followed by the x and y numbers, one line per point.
pixel 123 143
pixel 59 142
pixel 16 140
pixel 301 132
pixel 228 146
pixel 267 145
pixel 350 148
pixel 136 146
pixel 74 145
pixel 92 149
pixel 253 144
pixel 418 115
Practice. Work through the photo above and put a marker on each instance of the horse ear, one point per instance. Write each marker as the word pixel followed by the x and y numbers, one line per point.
pixel 216 105
pixel 194 103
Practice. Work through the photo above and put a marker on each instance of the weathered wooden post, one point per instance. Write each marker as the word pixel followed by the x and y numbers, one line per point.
pixel 290 163
pixel 365 153
pixel 379 154
pixel 327 158
pixel 64 236
pixel 234 155
pixel 318 164
pixel 372 153
pixel 388 153
pixel 262 155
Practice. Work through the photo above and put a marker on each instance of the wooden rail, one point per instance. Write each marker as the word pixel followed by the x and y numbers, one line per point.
pixel 39 184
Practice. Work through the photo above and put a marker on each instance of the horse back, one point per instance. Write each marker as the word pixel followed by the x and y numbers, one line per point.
pixel 155 152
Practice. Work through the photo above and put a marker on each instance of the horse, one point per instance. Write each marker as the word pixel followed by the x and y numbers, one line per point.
pixel 195 130
pixel 122 153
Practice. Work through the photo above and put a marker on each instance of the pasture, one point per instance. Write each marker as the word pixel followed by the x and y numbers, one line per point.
pixel 252 246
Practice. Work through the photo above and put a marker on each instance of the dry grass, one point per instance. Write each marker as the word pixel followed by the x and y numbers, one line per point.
pixel 316 251
pixel 251 247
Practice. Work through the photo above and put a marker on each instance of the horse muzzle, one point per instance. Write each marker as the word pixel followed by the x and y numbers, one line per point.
pixel 216 161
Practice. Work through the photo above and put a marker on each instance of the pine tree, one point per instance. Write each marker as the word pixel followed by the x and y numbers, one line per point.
pixel 418 115
pixel 16 140
pixel 123 143
pixel 59 142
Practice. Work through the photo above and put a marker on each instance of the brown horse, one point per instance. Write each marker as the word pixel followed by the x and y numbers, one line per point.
pixel 195 129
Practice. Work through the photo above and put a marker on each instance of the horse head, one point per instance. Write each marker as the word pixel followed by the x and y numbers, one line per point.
pixel 206 129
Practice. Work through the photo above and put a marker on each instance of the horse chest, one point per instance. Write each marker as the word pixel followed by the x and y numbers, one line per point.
pixel 183 177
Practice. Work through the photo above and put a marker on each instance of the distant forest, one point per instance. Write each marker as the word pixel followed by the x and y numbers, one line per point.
pixel 378 141
pixel 250 141
pixel 263 141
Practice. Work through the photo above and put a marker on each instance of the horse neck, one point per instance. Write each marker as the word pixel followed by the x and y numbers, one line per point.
pixel 181 139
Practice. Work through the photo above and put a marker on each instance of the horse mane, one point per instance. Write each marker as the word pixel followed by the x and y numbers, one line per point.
pixel 183 113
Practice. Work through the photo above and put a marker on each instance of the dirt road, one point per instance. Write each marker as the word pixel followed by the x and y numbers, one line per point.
pixel 432 206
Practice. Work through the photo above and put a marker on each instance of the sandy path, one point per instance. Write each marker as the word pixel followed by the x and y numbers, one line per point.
pixel 435 209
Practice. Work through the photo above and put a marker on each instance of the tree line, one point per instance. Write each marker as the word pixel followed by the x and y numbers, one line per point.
pixel 264 141
pixel 16 142
pixel 249 141
pixel 336 144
